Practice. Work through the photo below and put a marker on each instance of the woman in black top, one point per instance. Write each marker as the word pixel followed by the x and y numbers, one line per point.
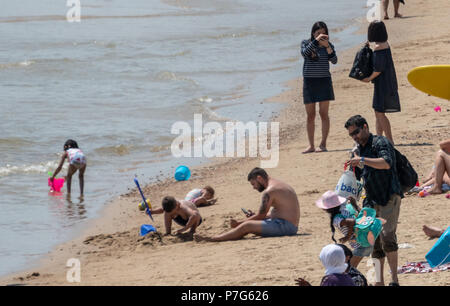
pixel 385 97
pixel 317 52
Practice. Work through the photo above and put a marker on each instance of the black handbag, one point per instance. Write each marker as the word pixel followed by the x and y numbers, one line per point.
pixel 362 65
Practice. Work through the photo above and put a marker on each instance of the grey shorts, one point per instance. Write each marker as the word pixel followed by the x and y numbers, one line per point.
pixel 278 227
pixel 363 251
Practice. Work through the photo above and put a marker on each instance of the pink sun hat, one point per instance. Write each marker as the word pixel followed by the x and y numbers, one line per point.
pixel 330 200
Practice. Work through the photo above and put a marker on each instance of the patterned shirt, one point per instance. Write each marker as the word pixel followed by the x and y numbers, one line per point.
pixel 379 184
pixel 345 214
pixel 319 66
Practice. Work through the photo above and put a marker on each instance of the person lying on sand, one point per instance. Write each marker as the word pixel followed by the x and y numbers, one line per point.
pixel 282 220
pixel 184 213
pixel 440 174
pixel 201 197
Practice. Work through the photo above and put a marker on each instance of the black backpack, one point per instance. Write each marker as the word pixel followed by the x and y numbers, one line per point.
pixel 406 173
pixel 362 65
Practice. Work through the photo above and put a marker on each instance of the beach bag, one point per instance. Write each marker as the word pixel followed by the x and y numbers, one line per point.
pixel 406 174
pixel 362 65
pixel 349 186
pixel 367 227
pixel 440 252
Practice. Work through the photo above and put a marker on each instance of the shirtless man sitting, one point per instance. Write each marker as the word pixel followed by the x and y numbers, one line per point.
pixel 184 213
pixel 282 220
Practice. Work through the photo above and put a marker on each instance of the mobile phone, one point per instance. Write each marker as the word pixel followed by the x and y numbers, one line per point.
pixel 245 211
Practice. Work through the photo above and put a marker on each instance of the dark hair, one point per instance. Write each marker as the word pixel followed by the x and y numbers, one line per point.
pixel 70 144
pixel 357 121
pixel 333 212
pixel 257 171
pixel 347 251
pixel 377 32
pixel 210 190
pixel 169 203
pixel 317 26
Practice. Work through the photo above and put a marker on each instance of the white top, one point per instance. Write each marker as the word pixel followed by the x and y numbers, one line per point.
pixel 193 194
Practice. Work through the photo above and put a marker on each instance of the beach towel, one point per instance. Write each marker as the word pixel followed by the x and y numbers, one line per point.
pixel 421 267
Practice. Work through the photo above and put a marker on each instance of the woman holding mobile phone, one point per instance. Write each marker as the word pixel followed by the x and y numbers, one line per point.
pixel 317 52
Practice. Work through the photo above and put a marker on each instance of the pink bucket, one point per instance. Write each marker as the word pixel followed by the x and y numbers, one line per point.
pixel 58 183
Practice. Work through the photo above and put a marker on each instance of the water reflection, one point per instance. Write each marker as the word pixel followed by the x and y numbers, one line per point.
pixel 66 208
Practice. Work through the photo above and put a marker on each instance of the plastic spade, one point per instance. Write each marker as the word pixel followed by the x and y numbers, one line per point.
pixel 147 210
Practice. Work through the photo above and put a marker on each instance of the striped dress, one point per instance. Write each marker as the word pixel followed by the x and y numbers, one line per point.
pixel 317 83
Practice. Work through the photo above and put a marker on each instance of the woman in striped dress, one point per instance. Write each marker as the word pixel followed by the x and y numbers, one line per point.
pixel 317 52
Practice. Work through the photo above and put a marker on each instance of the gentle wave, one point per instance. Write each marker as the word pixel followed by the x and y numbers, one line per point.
pixel 14 141
pixel 21 64
pixel 172 76
pixel 16 19
pixel 43 167
pixel 120 150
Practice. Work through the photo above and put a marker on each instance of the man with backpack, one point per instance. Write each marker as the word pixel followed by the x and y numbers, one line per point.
pixel 377 158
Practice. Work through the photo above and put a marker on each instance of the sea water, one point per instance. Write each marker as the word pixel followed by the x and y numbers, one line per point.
pixel 116 82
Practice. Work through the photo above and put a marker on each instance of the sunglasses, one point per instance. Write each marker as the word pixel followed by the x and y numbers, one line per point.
pixel 355 132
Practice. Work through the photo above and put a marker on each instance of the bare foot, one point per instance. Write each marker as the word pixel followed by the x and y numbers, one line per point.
pixel 398 16
pixel 309 150
pixel 200 238
pixel 386 17
pixel 435 190
pixel 432 232
pixel 321 149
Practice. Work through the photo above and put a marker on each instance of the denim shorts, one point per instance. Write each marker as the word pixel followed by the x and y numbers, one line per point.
pixel 278 227
pixel 363 251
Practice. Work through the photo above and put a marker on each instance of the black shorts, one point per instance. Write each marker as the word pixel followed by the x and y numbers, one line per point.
pixel 317 90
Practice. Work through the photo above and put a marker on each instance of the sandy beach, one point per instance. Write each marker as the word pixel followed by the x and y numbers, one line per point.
pixel 112 252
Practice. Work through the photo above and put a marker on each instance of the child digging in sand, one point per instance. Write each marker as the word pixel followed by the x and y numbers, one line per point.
pixel 183 212
pixel 77 161
pixel 201 197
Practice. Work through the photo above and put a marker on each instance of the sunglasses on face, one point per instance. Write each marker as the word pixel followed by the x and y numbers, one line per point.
pixel 355 132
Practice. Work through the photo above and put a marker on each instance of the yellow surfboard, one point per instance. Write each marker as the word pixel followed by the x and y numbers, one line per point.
pixel 433 80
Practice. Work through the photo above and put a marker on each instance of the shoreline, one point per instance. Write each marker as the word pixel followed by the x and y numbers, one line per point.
pixel 112 239
pixel 208 163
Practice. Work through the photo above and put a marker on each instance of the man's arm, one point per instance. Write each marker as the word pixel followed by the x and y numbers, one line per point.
pixel 377 163
pixel 266 202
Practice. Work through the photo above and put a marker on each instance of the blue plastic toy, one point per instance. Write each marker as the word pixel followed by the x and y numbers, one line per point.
pixel 440 252
pixel 182 173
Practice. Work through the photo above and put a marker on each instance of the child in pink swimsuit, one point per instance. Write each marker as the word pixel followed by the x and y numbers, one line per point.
pixel 77 161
